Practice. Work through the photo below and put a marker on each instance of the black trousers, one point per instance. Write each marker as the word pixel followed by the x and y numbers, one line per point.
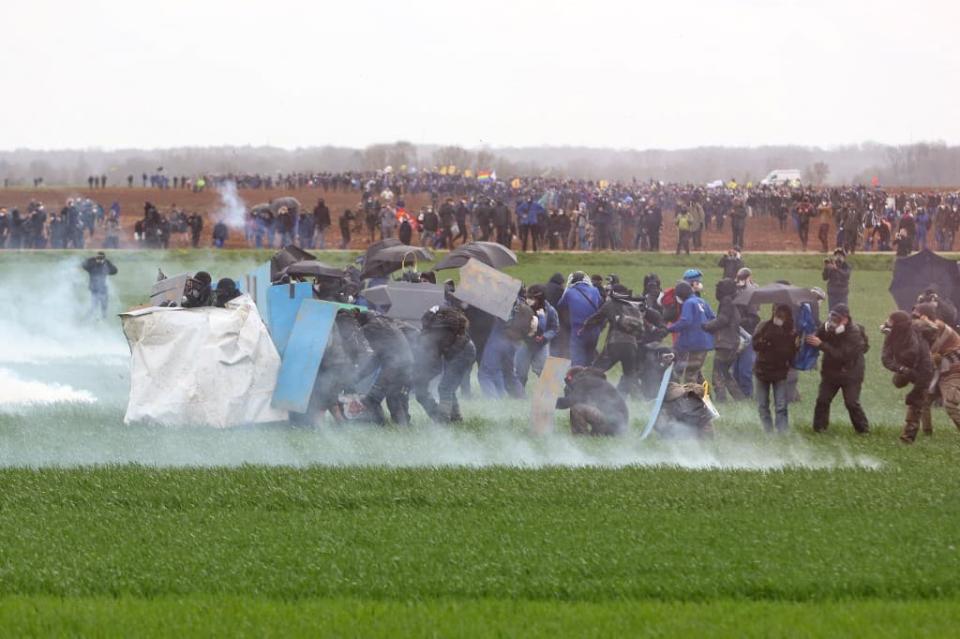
pixel 851 399
pixel 625 354
pixel 528 231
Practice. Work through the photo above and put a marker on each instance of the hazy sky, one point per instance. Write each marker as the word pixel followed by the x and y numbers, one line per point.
pixel 669 74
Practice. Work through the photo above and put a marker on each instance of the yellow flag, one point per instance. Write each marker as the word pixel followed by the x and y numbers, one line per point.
pixel 603 184
pixel 515 183
pixel 443 170
pixel 467 173
pixel 451 170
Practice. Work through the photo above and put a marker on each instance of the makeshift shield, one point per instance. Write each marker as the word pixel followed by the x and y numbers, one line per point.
pixel 169 290
pixel 543 403
pixel 405 300
pixel 487 289
pixel 658 404
pixel 256 283
pixel 284 302
pixel 912 275
pixel 303 354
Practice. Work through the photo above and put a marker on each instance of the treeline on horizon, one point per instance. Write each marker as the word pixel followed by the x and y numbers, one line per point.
pixel 925 164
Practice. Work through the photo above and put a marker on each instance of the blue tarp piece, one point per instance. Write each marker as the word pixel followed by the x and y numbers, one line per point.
pixel 304 352
pixel 283 302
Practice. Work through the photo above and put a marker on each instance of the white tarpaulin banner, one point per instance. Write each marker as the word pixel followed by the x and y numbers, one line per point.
pixel 208 366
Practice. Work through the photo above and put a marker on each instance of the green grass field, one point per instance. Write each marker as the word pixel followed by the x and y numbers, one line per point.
pixel 113 530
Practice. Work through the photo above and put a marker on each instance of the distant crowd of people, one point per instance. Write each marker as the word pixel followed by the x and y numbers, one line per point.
pixel 528 213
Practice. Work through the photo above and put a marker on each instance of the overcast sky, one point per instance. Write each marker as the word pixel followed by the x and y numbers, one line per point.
pixel 629 74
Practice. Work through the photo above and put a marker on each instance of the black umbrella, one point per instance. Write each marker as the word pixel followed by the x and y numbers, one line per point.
pixel 374 248
pixel 312 268
pixel 776 294
pixel 913 274
pixel 490 253
pixel 292 204
pixel 285 257
pixel 393 258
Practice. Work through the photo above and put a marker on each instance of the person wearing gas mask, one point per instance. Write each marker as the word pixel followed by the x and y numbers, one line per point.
pixel 443 349
pixel 596 408
pixel 731 263
pixel 907 355
pixel 843 344
pixel 198 291
pixel 945 352
pixel 776 344
pixel 98 268
pixel 393 362
pixel 836 273
pixel 692 341
pixel 533 350
pixel 946 311
pixel 226 291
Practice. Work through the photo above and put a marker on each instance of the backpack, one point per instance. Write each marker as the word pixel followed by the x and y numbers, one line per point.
pixel 671 305
pixel 520 322
pixel 629 320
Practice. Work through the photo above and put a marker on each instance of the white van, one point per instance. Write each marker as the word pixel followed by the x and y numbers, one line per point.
pixel 781 177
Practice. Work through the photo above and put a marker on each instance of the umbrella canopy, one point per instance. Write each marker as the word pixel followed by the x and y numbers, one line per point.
pixel 291 203
pixel 913 274
pixel 776 294
pixel 312 268
pixel 255 210
pixel 490 253
pixel 393 258
pixel 405 300
pixel 285 257
pixel 378 246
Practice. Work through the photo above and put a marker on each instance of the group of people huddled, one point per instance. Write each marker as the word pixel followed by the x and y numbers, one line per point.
pixel 71 227
pixel 155 228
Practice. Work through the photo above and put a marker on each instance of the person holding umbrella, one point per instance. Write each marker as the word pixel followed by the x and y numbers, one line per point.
pixel 775 343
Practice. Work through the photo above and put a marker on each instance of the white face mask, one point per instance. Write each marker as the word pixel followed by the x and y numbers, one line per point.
pixel 777 322
pixel 531 302
pixel 841 328
pixel 697 286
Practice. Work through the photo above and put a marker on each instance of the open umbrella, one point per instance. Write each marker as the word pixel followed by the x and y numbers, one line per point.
pixel 285 257
pixel 393 258
pixel 490 253
pixel 257 209
pixel 776 294
pixel 913 274
pixel 312 268
pixel 374 248
pixel 292 204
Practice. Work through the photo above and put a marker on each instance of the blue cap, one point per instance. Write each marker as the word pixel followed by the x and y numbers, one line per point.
pixel 692 274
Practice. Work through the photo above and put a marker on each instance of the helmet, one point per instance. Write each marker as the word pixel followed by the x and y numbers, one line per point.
pixel 692 274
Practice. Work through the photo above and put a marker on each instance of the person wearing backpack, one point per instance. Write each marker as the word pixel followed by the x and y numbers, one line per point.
pixel 692 342
pixel 625 319
pixel 776 343
pixel 843 344
pixel 725 329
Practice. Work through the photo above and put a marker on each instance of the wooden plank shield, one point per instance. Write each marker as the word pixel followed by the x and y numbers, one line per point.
pixel 543 402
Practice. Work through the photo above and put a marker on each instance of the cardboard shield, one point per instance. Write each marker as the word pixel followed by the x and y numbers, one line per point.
pixel 302 357
pixel 256 283
pixel 487 288
pixel 405 300
pixel 543 403
pixel 169 290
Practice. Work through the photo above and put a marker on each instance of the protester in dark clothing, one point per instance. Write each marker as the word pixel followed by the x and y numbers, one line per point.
pixel 226 291
pixel 444 349
pixel 393 361
pixel 624 319
pixel 220 234
pixel 553 289
pixel 345 221
pixel 907 355
pixel 198 291
pixel 731 263
pixel 596 408
pixel 843 344
pixel 321 222
pixel 725 328
pixel 946 311
pixel 99 268
pixel 776 344
pixel 836 273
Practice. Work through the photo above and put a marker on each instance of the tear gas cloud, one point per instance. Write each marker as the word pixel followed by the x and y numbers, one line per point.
pixel 64 382
pixel 232 209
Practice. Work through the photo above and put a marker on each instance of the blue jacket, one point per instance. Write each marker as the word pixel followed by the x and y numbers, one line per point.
pixel 548 324
pixel 691 337
pixel 581 300
pixel 529 213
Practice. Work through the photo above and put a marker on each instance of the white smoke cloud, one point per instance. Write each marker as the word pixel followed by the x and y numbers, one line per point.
pixel 233 210
pixel 18 394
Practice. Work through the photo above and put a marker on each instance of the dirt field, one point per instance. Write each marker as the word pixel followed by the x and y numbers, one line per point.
pixel 762 234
